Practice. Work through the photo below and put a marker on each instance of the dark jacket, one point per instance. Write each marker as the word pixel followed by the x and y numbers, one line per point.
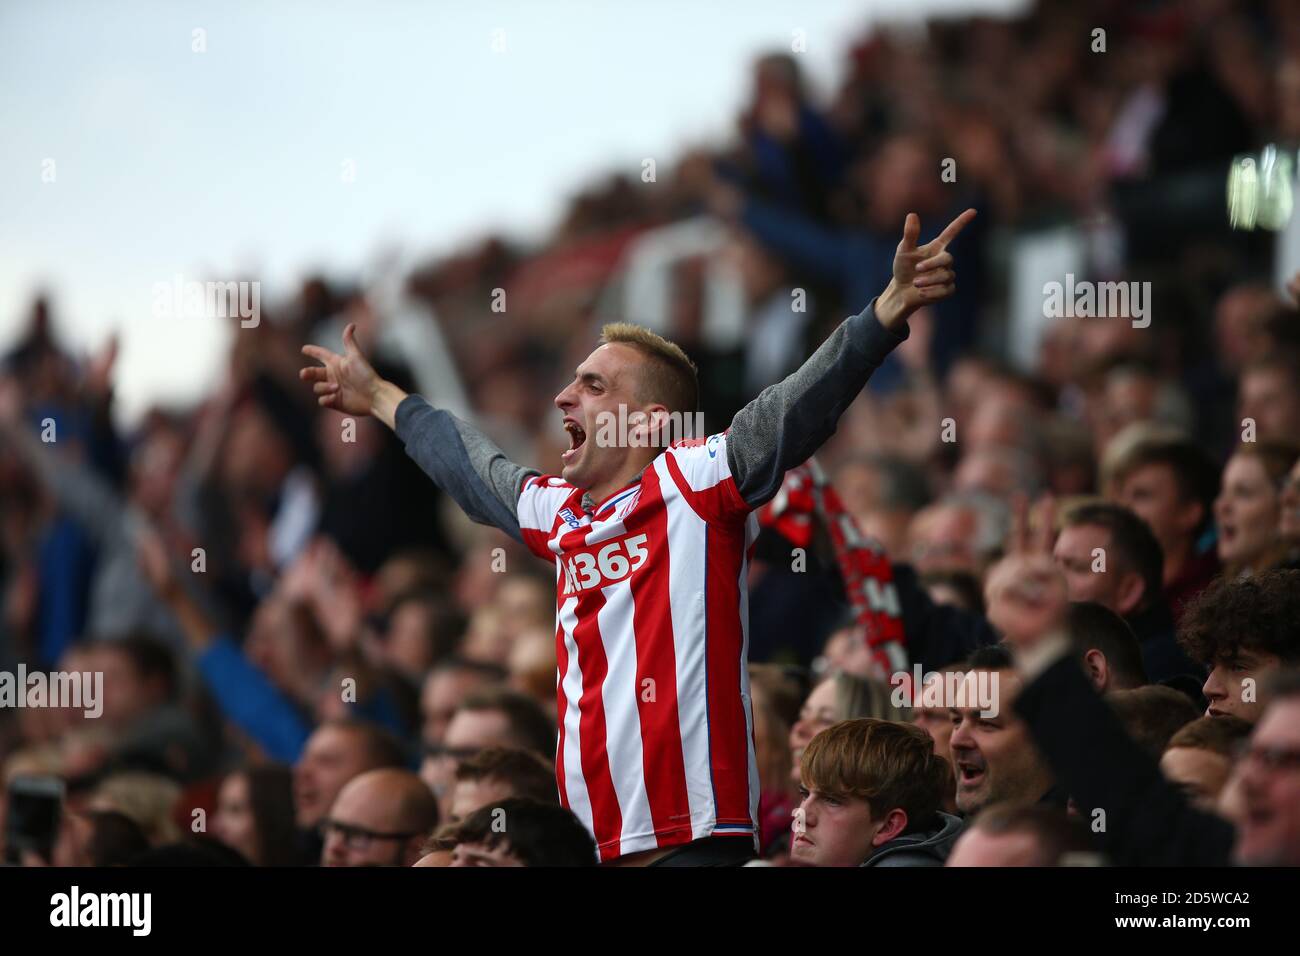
pixel 1148 821
pixel 928 848
pixel 1163 657
pixel 937 634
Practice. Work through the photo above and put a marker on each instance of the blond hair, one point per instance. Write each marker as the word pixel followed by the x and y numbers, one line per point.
pixel 857 696
pixel 147 798
pixel 669 378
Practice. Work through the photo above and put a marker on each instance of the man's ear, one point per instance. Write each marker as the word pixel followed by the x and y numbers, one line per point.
pixel 659 427
pixel 1098 668
pixel 895 823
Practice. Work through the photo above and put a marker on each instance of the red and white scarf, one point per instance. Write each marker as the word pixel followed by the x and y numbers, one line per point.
pixel 807 495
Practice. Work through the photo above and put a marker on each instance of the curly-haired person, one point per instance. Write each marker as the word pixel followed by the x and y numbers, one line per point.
pixel 1243 630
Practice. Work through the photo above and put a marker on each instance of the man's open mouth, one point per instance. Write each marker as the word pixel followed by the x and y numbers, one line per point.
pixel 577 437
pixel 970 774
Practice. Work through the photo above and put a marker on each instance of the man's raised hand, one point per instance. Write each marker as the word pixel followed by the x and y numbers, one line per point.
pixel 923 274
pixel 348 383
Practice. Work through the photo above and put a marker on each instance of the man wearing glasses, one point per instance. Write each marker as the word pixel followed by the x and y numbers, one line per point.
pixel 1269 834
pixel 380 818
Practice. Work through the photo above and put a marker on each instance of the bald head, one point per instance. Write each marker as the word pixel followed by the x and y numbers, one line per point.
pixel 380 818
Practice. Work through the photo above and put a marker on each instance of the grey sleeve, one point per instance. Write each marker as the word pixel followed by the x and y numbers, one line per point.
pixel 464 463
pixel 790 420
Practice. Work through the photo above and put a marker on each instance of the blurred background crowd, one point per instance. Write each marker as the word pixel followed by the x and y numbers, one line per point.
pixel 303 639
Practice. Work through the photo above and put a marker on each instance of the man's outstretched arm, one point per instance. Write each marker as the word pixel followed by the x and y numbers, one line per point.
pixel 460 459
pixel 793 418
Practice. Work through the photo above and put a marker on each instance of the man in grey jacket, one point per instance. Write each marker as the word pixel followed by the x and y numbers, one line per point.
pixel 649 537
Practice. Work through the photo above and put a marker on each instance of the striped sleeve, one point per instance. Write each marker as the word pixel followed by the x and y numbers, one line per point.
pixel 701 470
pixel 541 501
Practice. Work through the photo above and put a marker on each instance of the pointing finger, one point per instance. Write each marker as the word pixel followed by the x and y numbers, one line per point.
pixel 1045 529
pixel 350 339
pixel 319 354
pixel 1019 536
pixel 956 226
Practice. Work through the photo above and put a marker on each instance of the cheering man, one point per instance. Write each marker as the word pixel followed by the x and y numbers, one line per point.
pixel 655 753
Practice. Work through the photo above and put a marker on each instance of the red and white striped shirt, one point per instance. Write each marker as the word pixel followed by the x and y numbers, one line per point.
pixel 656 741
pixel 656 744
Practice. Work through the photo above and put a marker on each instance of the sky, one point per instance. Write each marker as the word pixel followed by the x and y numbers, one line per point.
pixel 326 135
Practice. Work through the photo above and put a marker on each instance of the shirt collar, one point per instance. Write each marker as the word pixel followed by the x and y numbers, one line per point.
pixel 589 504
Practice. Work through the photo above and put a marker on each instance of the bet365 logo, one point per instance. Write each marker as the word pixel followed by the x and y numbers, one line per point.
pixel 613 562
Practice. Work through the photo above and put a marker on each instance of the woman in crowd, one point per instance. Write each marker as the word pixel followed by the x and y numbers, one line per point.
pixel 840 697
pixel 1248 510
pixel 255 815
